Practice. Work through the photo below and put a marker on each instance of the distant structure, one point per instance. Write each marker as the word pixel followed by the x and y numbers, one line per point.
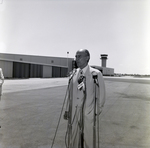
pixel 104 58
pixel 32 66
pixel 105 70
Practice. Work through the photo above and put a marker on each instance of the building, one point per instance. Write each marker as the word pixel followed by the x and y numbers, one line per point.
pixel 105 70
pixel 32 66
pixel 29 66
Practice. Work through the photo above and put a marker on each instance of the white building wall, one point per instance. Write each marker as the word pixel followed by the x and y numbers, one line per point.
pixel 7 68
pixel 108 71
pixel 42 60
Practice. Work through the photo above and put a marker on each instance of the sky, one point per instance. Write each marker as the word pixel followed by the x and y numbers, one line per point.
pixel 119 28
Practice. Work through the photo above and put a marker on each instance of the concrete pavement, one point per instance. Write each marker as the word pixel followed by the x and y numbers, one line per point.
pixel 30 109
pixel 15 85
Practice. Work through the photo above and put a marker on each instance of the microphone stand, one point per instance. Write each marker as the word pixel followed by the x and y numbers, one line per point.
pixel 82 117
pixel 70 109
pixel 95 114
pixel 59 119
pixel 73 73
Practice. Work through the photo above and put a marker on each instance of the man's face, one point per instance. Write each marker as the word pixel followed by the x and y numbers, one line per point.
pixel 81 59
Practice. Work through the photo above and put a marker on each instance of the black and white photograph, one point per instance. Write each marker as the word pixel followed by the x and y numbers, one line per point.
pixel 74 73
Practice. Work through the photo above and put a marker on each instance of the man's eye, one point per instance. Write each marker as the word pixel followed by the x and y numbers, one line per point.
pixel 78 56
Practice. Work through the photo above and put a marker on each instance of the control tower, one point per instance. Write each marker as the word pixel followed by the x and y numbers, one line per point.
pixel 106 71
pixel 103 59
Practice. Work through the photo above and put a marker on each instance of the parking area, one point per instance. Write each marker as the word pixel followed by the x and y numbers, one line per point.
pixel 30 109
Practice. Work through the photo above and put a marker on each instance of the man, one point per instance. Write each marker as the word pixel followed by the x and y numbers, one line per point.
pixel 1 81
pixel 86 97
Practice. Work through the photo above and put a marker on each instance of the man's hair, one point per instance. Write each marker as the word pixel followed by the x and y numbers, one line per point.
pixel 87 53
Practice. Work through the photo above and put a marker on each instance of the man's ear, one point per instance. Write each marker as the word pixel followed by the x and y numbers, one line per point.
pixel 87 58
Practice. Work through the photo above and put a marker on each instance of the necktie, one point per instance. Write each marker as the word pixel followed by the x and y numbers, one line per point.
pixel 80 77
pixel 81 81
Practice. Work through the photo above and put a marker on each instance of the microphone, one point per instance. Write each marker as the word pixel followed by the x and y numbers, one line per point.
pixel 72 74
pixel 95 77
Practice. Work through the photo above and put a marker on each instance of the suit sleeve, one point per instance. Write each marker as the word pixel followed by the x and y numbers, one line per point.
pixel 101 91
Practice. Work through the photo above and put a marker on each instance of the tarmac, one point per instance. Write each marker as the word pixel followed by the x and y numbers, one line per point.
pixel 30 110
